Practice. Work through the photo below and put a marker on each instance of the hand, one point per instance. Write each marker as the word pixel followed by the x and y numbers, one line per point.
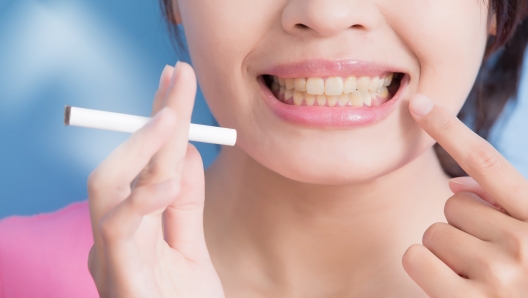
pixel 148 237
pixel 483 251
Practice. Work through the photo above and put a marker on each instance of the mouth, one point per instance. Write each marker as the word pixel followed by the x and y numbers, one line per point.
pixel 333 94
pixel 335 91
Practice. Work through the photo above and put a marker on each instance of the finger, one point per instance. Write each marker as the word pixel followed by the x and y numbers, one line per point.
pixel 432 275
pixel 476 156
pixel 108 185
pixel 118 227
pixel 468 184
pixel 469 213
pixel 184 217
pixel 168 162
pixel 457 249
pixel 164 82
pixel 121 222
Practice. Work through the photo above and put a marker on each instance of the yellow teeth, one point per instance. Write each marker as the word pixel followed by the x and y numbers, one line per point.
pixel 361 91
pixel 315 86
pixel 300 84
pixel 334 86
pixel 350 85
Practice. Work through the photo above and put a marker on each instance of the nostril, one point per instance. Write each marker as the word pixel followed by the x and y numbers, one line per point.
pixel 301 26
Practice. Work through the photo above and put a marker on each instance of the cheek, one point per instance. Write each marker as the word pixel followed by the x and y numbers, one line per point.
pixel 218 45
pixel 448 38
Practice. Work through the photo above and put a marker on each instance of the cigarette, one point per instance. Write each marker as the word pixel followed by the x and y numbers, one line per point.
pixel 74 116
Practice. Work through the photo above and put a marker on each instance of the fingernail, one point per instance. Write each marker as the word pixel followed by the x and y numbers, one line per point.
pixel 163 74
pixel 421 105
pixel 464 181
pixel 455 181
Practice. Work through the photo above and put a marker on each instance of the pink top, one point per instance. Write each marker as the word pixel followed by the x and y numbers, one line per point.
pixel 46 255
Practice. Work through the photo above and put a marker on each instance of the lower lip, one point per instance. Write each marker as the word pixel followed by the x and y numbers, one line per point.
pixel 332 117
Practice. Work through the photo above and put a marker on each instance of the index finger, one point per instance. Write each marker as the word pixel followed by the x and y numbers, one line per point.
pixel 179 97
pixel 475 155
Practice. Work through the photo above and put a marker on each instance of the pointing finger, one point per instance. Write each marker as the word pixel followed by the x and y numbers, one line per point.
pixel 476 156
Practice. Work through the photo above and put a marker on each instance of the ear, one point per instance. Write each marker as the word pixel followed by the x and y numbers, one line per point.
pixel 172 11
pixel 176 12
pixel 492 27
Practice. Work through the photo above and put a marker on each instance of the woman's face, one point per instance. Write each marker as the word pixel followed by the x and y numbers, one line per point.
pixel 304 81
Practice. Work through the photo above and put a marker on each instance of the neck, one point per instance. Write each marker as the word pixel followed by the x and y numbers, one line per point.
pixel 297 239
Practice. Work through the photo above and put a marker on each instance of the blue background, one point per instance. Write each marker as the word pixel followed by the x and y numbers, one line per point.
pixel 103 55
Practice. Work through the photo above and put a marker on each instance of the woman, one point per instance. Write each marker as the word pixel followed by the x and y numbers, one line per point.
pixel 334 178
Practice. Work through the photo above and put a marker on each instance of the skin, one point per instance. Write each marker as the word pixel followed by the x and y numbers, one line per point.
pixel 337 226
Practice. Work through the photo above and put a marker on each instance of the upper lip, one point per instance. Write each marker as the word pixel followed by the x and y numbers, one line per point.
pixel 328 68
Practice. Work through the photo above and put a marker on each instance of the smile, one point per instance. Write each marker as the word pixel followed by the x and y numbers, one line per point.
pixel 333 94
pixel 350 91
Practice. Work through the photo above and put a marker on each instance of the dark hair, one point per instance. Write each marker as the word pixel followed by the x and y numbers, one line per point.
pixel 499 75
pixel 496 83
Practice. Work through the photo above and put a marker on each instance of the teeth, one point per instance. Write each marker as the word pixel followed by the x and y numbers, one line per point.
pixel 356 99
pixel 310 99
pixel 367 99
pixel 290 83
pixel 380 84
pixel 350 85
pixel 383 92
pixel 298 97
pixel 315 86
pixel 388 80
pixel 334 86
pixel 288 94
pixel 332 100
pixel 373 85
pixel 300 84
pixel 321 99
pixel 363 84
pixel 333 91
pixel 343 99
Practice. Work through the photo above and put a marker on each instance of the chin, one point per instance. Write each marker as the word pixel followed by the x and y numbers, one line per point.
pixel 345 165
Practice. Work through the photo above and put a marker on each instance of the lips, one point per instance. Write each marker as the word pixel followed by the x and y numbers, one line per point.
pixel 339 111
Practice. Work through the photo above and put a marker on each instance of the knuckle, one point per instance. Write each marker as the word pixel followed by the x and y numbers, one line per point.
pixel 431 232
pixel 484 157
pixel 447 125
pixel 173 190
pixel 106 228
pixel 517 243
pixel 95 181
pixel 99 183
pixel 500 275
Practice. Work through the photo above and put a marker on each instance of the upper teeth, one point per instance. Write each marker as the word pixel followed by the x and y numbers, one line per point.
pixel 333 90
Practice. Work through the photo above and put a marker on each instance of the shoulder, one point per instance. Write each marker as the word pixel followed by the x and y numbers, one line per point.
pixel 49 252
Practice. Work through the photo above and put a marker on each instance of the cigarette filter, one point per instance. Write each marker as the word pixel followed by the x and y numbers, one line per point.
pixel 129 123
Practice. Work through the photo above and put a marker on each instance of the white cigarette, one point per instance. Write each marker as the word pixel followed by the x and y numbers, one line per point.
pixel 129 123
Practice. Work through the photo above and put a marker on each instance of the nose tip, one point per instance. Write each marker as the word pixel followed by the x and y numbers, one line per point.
pixel 328 18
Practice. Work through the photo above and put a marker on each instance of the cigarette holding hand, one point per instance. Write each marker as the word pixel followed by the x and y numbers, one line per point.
pixel 129 123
